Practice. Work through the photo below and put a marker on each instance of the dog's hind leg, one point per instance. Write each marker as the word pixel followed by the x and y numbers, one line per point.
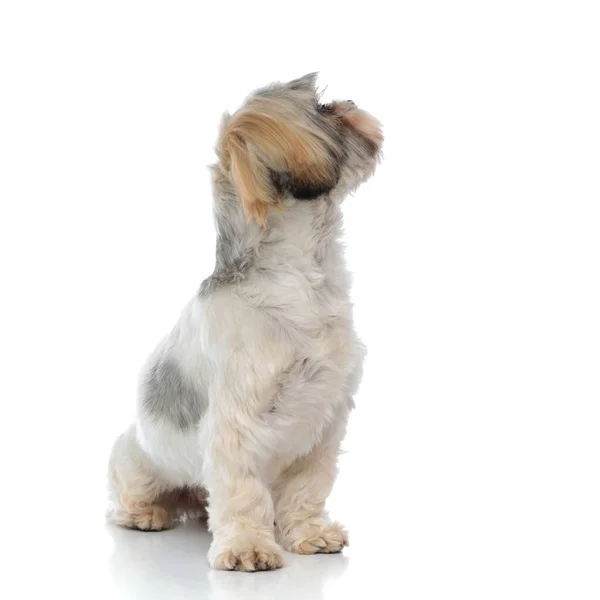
pixel 189 503
pixel 139 496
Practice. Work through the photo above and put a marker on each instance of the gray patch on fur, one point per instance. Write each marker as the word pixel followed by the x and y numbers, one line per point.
pixel 234 256
pixel 167 395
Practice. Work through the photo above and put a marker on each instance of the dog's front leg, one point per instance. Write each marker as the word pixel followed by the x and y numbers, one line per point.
pixel 240 506
pixel 303 526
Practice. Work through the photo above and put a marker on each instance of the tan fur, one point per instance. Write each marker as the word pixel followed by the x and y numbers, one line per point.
pixel 146 518
pixel 249 552
pixel 365 124
pixel 138 508
pixel 321 538
pixel 145 501
pixel 149 512
pixel 273 135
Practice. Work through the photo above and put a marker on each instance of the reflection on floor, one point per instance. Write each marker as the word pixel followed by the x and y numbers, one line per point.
pixel 172 564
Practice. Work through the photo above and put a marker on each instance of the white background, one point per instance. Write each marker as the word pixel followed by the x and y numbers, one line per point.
pixel 473 458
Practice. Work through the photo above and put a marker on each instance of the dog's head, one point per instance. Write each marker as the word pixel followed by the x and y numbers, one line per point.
pixel 283 142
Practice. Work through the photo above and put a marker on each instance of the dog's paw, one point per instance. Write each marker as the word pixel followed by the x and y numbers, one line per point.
pixel 245 553
pixel 327 538
pixel 151 518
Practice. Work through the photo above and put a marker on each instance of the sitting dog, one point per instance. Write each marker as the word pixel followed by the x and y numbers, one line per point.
pixel 242 407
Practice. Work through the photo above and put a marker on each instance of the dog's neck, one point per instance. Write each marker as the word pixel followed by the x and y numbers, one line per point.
pixel 301 240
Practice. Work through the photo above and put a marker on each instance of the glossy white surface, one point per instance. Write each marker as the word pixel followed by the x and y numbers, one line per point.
pixel 146 566
pixel 437 526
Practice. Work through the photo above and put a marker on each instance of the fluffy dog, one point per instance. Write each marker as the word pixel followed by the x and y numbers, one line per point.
pixel 243 406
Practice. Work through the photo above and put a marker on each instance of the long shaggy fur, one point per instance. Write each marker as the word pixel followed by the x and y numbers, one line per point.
pixel 243 405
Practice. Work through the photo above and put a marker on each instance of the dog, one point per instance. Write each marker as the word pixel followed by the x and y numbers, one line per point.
pixel 243 405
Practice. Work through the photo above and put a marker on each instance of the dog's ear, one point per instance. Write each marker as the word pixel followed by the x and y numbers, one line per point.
pixel 269 154
pixel 307 83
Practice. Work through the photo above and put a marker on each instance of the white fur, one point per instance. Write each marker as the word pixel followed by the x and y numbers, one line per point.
pixel 276 362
